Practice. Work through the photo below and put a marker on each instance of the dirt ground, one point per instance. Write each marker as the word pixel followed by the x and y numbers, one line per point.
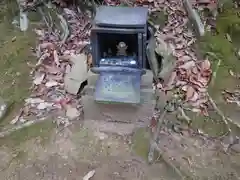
pixel 73 152
pixel 70 153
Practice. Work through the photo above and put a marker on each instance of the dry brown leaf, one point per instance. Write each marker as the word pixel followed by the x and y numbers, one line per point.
pixel 190 93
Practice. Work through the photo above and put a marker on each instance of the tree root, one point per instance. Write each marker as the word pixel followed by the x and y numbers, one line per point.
pixel 214 75
pixel 24 125
pixel 167 160
pixel 220 113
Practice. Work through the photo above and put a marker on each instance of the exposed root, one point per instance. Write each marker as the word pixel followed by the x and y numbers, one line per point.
pixel 16 128
pixel 167 160
pixel 214 75
pixel 220 113
pixel 184 116
pixel 155 137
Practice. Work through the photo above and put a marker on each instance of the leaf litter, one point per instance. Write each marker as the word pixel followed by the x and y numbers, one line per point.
pixel 53 54
pixel 191 75
pixel 190 80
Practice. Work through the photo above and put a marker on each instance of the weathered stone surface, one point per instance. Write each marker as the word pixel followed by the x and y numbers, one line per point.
pixel 119 112
pixel 77 74
pixel 121 16
pixel 116 112
pixel 121 129
pixel 72 112
pixel 146 81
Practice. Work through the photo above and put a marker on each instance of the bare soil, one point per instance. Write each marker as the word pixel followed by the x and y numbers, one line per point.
pixel 72 152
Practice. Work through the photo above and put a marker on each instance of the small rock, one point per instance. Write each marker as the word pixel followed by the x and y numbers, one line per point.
pixel 101 135
pixel 72 113
pixel 77 74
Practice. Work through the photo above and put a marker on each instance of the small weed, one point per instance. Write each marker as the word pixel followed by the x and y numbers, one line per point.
pixel 14 54
pixel 219 45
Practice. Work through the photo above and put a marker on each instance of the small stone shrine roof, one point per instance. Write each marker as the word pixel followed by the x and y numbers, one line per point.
pixel 110 16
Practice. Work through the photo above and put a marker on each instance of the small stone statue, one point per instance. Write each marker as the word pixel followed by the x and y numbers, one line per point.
pixel 122 49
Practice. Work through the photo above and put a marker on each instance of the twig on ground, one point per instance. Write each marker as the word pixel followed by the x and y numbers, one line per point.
pixel 225 120
pixel 183 115
pixel 214 74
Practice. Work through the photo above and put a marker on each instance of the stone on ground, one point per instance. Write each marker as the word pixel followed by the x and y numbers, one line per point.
pixel 77 74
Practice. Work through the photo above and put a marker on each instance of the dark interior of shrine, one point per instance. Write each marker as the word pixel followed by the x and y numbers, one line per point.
pixel 108 43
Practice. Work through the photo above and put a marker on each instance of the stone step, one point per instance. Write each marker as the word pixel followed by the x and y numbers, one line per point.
pixel 119 112
pixel 146 79
pixel 146 95
pixel 126 113
pixel 121 129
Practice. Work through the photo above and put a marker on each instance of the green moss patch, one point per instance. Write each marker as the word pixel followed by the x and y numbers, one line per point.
pixel 141 142
pixel 42 130
pixel 218 48
pixel 14 55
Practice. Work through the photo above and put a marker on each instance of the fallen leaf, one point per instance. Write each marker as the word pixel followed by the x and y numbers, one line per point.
pixel 34 100
pixel 44 105
pixel 190 93
pixel 51 84
pixel 39 79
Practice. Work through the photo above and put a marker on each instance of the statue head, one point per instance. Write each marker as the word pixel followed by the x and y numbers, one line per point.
pixel 122 46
